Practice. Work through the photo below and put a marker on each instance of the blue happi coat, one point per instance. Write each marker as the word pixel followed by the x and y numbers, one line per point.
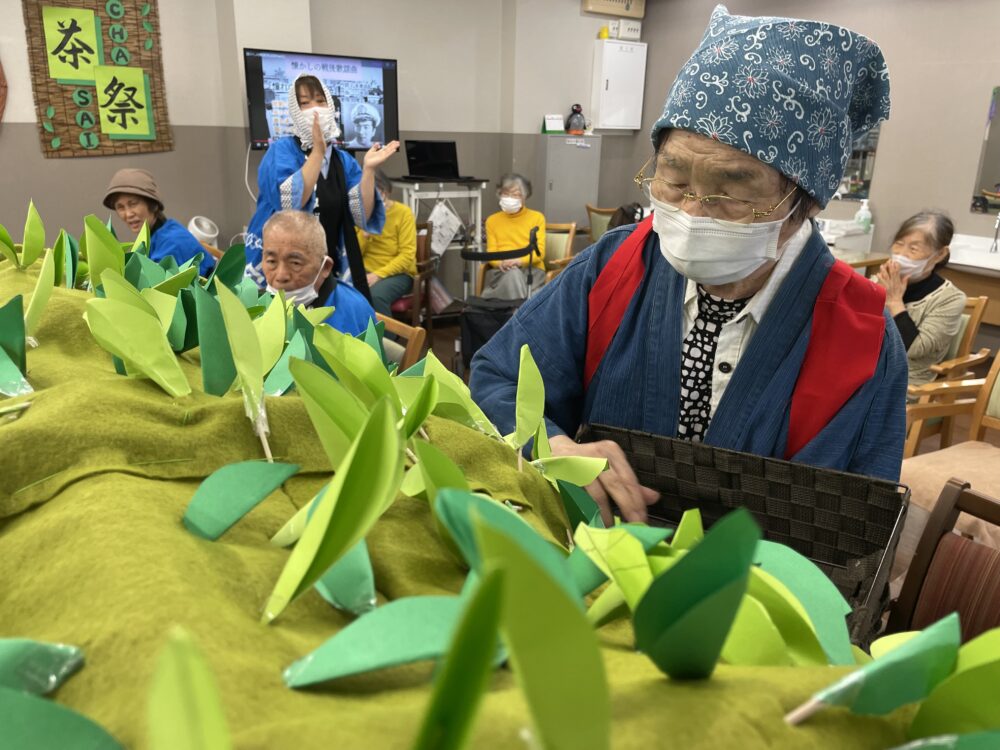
pixel 636 385
pixel 279 184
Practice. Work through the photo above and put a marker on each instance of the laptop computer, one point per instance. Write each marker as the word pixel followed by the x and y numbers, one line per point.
pixel 433 161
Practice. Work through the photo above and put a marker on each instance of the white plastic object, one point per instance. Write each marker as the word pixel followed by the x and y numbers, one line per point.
pixel 204 230
pixel 863 218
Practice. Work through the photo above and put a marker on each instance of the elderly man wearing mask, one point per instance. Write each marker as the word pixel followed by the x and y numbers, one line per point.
pixel 295 261
pixel 723 317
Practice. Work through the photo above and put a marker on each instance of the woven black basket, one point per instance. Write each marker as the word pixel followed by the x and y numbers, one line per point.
pixel 847 524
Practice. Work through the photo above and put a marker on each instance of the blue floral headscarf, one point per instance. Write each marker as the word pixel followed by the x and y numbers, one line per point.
pixel 793 94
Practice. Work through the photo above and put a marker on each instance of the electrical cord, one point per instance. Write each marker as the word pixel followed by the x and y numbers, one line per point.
pixel 246 175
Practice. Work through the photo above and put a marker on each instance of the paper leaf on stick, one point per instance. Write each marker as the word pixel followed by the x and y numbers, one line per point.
pixel 529 402
pixel 103 250
pixel 336 413
pixel 34 237
pixel 231 492
pixel 578 470
pixel 35 667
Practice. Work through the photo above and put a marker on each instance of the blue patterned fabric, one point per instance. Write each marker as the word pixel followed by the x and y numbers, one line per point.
pixel 636 385
pixel 794 94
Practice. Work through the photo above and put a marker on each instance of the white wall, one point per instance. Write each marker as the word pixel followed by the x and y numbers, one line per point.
pixel 14 56
pixel 449 56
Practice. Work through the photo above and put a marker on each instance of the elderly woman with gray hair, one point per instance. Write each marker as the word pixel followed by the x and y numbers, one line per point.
pixel 294 260
pixel 510 229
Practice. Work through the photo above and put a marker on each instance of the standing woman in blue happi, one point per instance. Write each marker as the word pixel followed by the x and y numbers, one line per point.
pixel 307 171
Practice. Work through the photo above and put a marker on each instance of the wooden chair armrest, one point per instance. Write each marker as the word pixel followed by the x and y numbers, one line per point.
pixel 961 363
pixel 560 262
pixel 947 387
pixel 916 413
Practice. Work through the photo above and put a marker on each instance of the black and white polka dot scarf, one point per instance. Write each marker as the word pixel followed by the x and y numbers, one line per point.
pixel 697 361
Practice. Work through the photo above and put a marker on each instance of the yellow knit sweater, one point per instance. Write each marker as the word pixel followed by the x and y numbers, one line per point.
pixel 511 231
pixel 395 250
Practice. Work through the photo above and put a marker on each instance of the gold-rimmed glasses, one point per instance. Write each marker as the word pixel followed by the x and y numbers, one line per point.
pixel 721 207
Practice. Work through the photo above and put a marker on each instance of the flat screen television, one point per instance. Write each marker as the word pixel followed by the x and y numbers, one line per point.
pixel 354 82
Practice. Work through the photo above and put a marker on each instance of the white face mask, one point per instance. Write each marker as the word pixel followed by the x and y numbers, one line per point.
pixel 510 205
pixel 304 295
pixel 713 252
pixel 908 266
pixel 327 123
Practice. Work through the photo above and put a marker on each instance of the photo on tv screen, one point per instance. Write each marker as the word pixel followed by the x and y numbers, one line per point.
pixel 363 90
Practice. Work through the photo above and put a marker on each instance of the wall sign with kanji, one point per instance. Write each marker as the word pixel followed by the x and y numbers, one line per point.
pixel 97 77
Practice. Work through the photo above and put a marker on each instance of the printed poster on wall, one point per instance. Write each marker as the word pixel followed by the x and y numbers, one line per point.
pixel 97 77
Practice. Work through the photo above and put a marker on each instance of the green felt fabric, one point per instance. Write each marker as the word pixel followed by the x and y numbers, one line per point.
pixel 94 482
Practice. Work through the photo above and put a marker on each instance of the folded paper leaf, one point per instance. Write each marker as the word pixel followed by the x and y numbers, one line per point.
pixel 7 247
pixel 336 413
pixel 12 332
pixel 218 371
pixel 529 404
pixel 966 701
pixel 553 650
pixel 185 709
pixel 588 576
pixel 578 470
pixel 103 250
pixel 754 640
pixel 34 667
pixel 974 741
pixel 34 237
pixel 887 643
pixel 540 447
pixel 356 365
pixel 904 675
pixel 608 606
pixel 12 382
pixel 455 509
pixel 689 530
pixel 140 246
pixel 437 469
pixel 620 557
pixel 138 340
pixel 465 669
pixel 821 599
pixel 230 268
pixel 580 506
pixel 293 528
pixel 684 619
pixel 349 584
pixel 403 631
pixel 271 332
pixel 454 400
pixel 789 618
pixel 363 487
pixel 32 722
pixel 173 284
pixel 420 407
pixel 230 493
pixel 279 380
pixel 43 290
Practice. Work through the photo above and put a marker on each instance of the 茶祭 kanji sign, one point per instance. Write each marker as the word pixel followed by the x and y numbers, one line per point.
pixel 97 76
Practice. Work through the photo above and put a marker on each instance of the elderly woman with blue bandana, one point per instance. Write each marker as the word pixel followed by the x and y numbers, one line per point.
pixel 723 317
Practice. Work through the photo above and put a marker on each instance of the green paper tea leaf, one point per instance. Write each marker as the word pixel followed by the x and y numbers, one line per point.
pixel 246 355
pixel 540 447
pixel 438 470
pixel 580 506
pixel 32 722
pixel 271 332
pixel 548 638
pixel 34 237
pixel 689 530
pixel 103 250
pixel 754 640
pixel 173 284
pixel 336 413
pixel 465 670
pixel 420 407
pixel 789 617
pixel 529 403
pixel 43 290
pixel 403 631
pixel 231 492
pixel 185 709
pixel 218 371
pixel 138 340
pixel 349 584
pixel 588 576
pixel 357 367
pixel 279 380
pixel 12 332
pixel 230 268
pixel 454 400
pixel 578 470
pixel 620 557
pixel 12 382
pixel 141 244
pixel 37 668
pixel 363 487
pixel 684 619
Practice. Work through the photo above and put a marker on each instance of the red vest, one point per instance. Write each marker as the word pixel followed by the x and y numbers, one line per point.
pixel 846 334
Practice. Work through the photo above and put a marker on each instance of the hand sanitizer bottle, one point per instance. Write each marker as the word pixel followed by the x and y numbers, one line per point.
pixel 863 218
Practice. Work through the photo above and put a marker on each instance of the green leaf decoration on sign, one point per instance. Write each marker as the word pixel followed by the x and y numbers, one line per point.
pixel 34 237
pixel 363 487
pixel 33 722
pixel 685 616
pixel 138 340
pixel 43 290
pixel 546 634
pixel 231 492
pixel 145 10
pixel 245 346
pixel 185 708
pixel 336 413
pixel 147 26
pixel 50 111
pixel 56 142
pixel 404 631
pixel 465 670
pixel 47 126
pixel 102 250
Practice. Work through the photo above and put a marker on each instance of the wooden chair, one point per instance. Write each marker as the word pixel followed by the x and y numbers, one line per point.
pixel 414 337
pixel 979 398
pixel 949 572
pixel 558 248
pixel 416 306
pixel 957 365
pixel 599 219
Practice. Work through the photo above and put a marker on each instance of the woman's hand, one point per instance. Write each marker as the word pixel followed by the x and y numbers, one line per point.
pixel 895 286
pixel 376 156
pixel 373 279
pixel 319 140
pixel 506 265
pixel 618 482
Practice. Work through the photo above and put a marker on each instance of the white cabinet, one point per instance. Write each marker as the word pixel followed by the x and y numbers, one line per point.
pixel 618 82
